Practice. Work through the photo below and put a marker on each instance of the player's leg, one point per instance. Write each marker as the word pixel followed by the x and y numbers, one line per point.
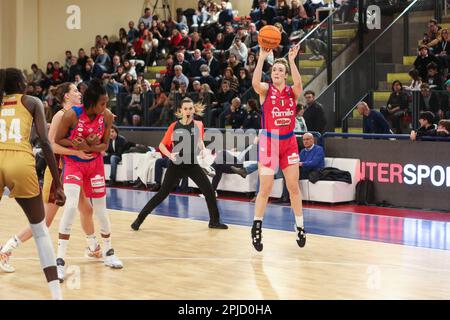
pixel 171 179
pixel 93 249
pixel 291 175
pixel 34 209
pixel 196 173
pixel 266 178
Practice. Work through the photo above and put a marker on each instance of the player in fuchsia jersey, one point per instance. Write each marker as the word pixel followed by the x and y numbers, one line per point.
pixel 277 141
pixel 86 128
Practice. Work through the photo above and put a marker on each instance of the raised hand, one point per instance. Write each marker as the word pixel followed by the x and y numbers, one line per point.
pixel 293 52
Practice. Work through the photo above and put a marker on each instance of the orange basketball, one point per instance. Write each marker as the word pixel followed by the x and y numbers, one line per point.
pixel 269 37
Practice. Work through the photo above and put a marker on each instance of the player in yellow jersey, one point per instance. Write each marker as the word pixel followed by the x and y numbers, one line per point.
pixel 18 112
pixel 68 95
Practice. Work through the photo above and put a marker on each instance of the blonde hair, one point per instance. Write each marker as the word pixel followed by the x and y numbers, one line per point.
pixel 198 107
pixel 284 62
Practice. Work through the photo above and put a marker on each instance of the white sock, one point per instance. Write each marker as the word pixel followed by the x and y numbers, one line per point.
pixel 11 244
pixel 299 221
pixel 55 289
pixel 258 218
pixel 92 242
pixel 62 248
pixel 107 244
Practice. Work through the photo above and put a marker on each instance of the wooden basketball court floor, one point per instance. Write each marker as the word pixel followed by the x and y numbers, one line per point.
pixel 175 256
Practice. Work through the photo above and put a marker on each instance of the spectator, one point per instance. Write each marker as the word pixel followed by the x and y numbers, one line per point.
pixel 196 43
pixel 213 64
pixel 196 64
pixel 136 120
pixel 207 78
pixel 300 124
pixel 158 103
pixel 433 34
pixel 181 20
pixel 422 61
pixel 38 76
pixel 239 50
pixel 113 155
pixel 442 49
pixel 133 33
pixel 146 18
pixel 312 156
pixel 264 15
pixel 253 118
pixel 174 40
pixel 68 61
pixel 251 40
pixel 397 106
pixel 245 81
pixel 427 128
pixel 235 118
pixel 232 79
pixel 225 15
pixel 179 76
pixel 416 81
pixel 82 58
pixel 434 79
pixel 314 114
pixel 74 69
pixel 103 60
pixel 373 120
pixel 224 98
pixel 233 63
pixel 39 92
pixel 429 101
pixel 443 129
pixel 228 37
pixel 250 64
pixel 77 80
pixel 185 39
pixel 135 105
pixel 180 60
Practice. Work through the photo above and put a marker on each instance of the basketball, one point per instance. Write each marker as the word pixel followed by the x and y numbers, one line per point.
pixel 269 37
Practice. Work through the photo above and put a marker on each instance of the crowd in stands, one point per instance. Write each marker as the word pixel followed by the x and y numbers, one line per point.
pixel 208 52
pixel 430 76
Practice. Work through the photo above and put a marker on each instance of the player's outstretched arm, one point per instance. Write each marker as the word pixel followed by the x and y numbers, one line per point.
pixel 296 77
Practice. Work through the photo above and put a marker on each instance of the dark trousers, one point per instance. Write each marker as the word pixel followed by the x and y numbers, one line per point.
pixel 162 163
pixel 227 160
pixel 114 161
pixel 173 176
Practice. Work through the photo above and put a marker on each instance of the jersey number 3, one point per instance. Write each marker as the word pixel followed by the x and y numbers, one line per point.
pixel 14 131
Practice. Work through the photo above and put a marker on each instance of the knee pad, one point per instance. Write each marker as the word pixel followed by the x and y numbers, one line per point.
pixel 72 192
pixel 99 205
pixel 43 244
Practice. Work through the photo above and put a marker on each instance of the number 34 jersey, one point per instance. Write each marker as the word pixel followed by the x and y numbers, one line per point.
pixel 15 124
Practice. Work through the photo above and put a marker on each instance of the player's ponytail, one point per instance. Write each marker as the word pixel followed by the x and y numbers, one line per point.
pixel 93 93
pixel 61 91
pixel 2 84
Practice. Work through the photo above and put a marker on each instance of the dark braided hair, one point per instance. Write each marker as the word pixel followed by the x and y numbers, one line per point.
pixel 93 93
pixel 11 81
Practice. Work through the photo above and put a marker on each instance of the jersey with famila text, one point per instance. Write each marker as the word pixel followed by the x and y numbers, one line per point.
pixel 278 112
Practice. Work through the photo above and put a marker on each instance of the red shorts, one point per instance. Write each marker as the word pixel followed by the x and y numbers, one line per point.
pixel 274 153
pixel 88 175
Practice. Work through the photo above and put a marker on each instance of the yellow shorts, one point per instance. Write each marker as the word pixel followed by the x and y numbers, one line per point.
pixel 18 174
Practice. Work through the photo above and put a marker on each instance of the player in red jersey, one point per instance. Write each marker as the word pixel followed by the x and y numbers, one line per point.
pixel 277 142
pixel 86 128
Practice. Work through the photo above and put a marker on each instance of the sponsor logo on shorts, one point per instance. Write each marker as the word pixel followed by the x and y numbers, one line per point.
pixel 99 190
pixel 98 181
pixel 293 158
pixel 80 129
pixel 73 177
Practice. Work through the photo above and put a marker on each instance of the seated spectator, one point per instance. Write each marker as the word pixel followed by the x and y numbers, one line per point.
pixel 133 33
pixel 196 64
pixel 224 98
pixel 245 81
pixel 345 10
pixel 434 78
pixel 174 40
pixel 185 39
pixel 113 156
pixel 233 63
pixel 181 61
pixel 103 60
pixel 429 101
pixel 213 64
pixel 427 128
pixel 158 102
pixel 283 48
pixel 239 50
pixel 314 114
pixel 229 76
pixel 443 129
pixel 38 76
pixel 136 121
pixel 251 39
pixel 225 15
pixel 433 34
pixel 181 20
pixel 422 61
pixel 312 156
pixel 416 81
pixel 442 50
pixel 234 116
pixel 373 120
pixel 179 76
pixel 136 102
pixel 263 16
pixel 397 106
pixel 300 124
pixel 228 37
pixel 253 117
pixel 250 64
pixel 39 92
pixel 206 78
pixel 444 110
